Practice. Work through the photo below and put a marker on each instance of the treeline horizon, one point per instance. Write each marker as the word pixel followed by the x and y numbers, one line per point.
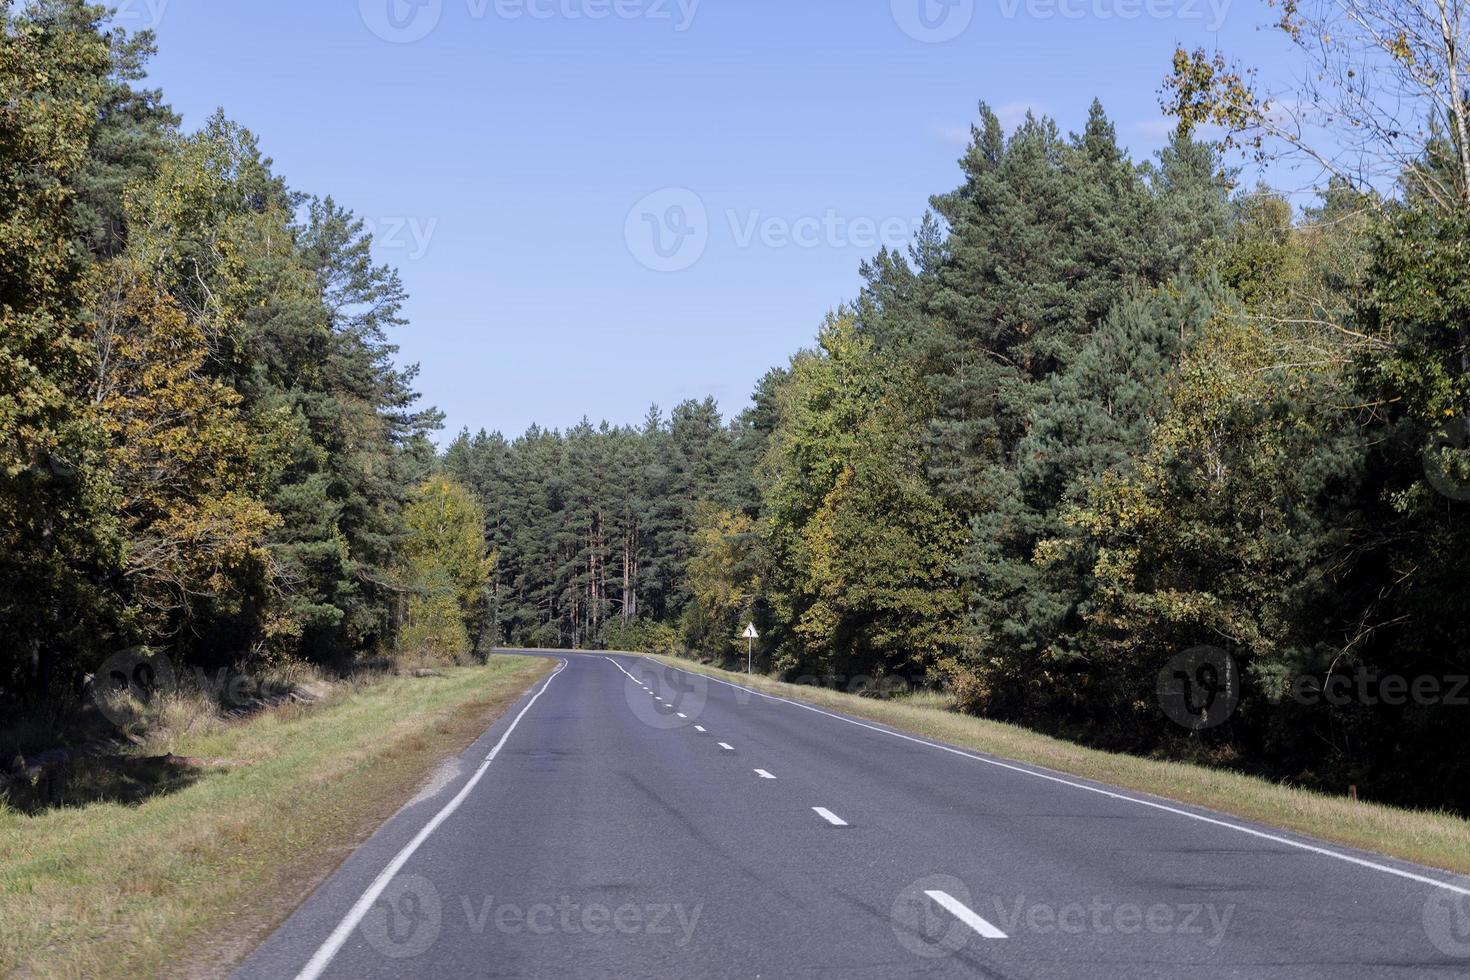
pixel 1106 420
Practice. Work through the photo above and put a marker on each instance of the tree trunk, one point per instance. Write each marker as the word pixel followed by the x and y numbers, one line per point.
pixel 627 573
pixel 1461 138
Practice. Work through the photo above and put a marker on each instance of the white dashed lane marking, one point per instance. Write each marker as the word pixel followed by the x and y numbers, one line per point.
pixel 957 909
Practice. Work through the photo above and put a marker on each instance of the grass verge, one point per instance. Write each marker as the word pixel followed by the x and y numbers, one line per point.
pixel 1438 840
pixel 188 883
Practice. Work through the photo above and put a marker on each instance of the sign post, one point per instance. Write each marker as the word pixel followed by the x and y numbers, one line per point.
pixel 750 637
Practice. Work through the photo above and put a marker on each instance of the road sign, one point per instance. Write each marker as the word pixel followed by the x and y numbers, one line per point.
pixel 750 633
pixel 750 636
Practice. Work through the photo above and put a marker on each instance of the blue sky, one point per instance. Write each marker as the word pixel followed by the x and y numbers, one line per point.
pixel 517 158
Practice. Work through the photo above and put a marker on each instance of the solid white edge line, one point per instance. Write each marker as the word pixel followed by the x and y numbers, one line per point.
pixel 323 957
pixel 957 909
pixel 763 774
pixel 1275 839
pixel 829 816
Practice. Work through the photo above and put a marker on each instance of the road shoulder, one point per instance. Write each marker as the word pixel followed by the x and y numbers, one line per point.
pixel 1430 840
pixel 189 883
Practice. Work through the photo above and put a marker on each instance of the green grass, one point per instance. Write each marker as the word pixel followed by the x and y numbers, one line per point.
pixel 1438 840
pixel 187 882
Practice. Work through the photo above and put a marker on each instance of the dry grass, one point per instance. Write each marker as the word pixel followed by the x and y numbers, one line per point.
pixel 1437 840
pixel 196 704
pixel 936 700
pixel 187 881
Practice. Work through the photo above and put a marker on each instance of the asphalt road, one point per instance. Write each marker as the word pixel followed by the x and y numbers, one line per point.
pixel 632 820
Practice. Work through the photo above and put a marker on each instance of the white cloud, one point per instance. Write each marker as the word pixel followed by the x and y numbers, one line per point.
pixel 1158 129
pixel 958 136
pixel 1012 114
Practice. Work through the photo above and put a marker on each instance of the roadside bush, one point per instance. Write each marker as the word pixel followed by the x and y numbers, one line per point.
pixel 643 636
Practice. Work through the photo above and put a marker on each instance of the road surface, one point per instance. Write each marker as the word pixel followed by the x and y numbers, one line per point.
pixel 632 820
